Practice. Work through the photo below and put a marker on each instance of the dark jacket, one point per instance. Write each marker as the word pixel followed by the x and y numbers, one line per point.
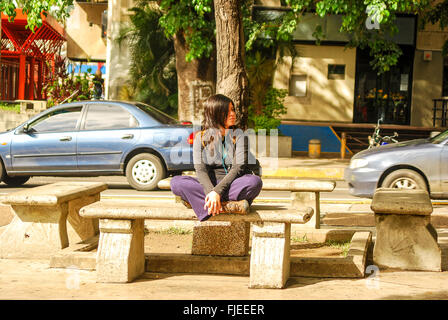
pixel 208 159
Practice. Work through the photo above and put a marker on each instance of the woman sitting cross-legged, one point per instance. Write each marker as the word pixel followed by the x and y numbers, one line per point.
pixel 220 152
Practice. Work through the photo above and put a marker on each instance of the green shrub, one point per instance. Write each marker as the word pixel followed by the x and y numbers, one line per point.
pixel 10 106
pixel 64 88
pixel 269 116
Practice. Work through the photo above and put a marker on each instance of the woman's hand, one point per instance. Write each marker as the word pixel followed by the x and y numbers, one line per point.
pixel 213 203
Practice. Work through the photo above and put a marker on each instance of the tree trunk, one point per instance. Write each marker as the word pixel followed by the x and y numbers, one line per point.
pixel 1 74
pixel 231 72
pixel 195 81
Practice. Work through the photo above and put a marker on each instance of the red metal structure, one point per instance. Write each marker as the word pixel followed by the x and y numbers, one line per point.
pixel 27 58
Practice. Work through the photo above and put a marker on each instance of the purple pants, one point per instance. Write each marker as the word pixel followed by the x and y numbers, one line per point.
pixel 189 189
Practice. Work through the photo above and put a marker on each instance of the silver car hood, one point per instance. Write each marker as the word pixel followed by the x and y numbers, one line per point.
pixel 392 147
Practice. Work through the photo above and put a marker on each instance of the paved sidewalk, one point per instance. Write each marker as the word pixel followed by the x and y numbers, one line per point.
pixel 304 167
pixel 33 279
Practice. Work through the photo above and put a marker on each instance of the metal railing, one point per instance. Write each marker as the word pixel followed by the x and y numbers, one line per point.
pixel 440 111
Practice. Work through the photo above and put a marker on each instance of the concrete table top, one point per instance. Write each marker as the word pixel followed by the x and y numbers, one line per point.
pixel 53 194
pixel 402 202
pixel 173 211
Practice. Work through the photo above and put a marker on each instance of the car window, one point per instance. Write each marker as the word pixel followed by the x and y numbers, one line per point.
pixel 103 116
pixel 157 115
pixel 57 121
pixel 439 138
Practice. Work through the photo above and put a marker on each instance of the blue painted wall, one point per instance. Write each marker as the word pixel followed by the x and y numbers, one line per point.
pixel 85 68
pixel 301 135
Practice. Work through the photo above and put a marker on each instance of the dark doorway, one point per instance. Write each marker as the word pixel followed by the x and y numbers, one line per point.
pixel 386 96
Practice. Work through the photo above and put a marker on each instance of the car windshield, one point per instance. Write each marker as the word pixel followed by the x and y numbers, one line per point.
pixel 157 115
pixel 439 138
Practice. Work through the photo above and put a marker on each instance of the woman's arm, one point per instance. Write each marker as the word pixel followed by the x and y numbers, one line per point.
pixel 212 199
pixel 199 165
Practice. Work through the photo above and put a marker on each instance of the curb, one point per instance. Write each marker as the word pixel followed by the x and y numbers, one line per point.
pixel 303 172
pixel 331 173
pixel 82 256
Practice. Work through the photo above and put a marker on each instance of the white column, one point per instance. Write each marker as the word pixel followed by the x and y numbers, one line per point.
pixel 270 255
pixel 121 256
pixel 117 56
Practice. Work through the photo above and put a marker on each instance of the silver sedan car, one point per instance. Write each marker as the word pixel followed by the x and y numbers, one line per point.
pixel 414 164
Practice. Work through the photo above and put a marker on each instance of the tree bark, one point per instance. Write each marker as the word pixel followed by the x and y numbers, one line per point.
pixel 1 97
pixel 232 78
pixel 196 81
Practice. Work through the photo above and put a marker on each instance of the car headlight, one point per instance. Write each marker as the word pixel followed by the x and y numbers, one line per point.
pixel 358 163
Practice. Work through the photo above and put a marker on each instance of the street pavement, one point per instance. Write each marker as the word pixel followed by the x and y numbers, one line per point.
pixel 337 207
pixel 303 167
pixel 33 279
pixel 349 211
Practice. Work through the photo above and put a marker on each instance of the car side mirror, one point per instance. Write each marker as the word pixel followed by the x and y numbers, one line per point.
pixel 24 129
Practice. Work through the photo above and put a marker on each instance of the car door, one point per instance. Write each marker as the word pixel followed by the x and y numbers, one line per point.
pixel 49 142
pixel 108 131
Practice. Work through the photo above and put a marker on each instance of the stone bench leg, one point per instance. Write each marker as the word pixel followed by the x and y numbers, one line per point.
pixel 407 242
pixel 35 232
pixel 79 228
pixel 405 237
pixel 120 256
pixel 39 231
pixel 300 200
pixel 221 238
pixel 270 255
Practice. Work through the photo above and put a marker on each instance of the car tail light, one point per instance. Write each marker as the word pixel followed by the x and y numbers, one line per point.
pixel 191 138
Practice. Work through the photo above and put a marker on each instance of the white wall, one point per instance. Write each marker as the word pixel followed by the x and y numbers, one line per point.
pixel 11 119
pixel 326 99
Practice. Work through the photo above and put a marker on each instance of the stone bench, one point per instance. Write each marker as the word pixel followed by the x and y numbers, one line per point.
pixel 405 237
pixel 46 219
pixel 304 193
pixel 211 237
pixel 120 256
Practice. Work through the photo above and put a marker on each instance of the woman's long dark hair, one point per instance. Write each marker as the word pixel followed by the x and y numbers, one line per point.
pixel 216 109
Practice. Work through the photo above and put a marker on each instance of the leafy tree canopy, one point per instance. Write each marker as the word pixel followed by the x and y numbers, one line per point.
pixel 195 18
pixel 438 14
pixel 369 24
pixel 33 8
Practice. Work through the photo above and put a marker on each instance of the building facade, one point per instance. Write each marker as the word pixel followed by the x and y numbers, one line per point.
pixel 86 48
pixel 118 55
pixel 332 83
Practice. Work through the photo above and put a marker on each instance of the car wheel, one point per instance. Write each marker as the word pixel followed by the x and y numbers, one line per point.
pixel 15 181
pixel 2 171
pixel 404 179
pixel 144 171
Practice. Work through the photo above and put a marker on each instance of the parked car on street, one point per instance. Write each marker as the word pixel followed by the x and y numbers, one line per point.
pixel 97 138
pixel 414 164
